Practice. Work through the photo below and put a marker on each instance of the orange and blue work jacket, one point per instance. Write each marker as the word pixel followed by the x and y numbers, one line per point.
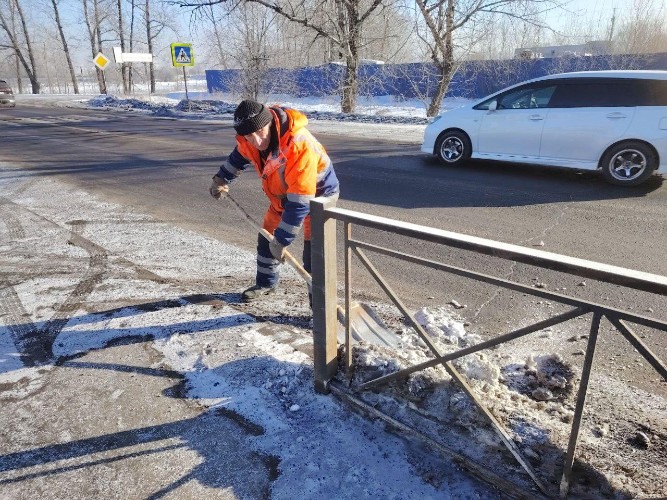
pixel 294 170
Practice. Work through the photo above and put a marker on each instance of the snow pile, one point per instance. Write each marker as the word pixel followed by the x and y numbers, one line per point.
pixel 532 395
pixel 447 334
pixel 108 101
pixel 439 325
pixel 212 107
pixel 378 110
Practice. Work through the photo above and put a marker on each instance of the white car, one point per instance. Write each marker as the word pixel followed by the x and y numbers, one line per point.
pixel 615 121
pixel 6 95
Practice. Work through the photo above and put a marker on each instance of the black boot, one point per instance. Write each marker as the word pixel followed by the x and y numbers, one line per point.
pixel 256 292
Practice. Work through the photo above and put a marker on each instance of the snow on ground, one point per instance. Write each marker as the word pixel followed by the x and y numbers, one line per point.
pixel 381 109
pixel 230 361
pixel 136 269
pixel 404 120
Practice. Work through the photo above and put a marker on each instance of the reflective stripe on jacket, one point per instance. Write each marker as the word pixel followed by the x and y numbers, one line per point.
pixel 297 170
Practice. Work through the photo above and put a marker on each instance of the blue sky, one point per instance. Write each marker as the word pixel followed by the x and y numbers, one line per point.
pixel 594 11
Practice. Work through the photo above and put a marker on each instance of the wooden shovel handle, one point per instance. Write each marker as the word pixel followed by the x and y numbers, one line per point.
pixel 288 256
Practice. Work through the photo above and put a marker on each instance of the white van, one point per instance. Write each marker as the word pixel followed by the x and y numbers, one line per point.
pixel 614 121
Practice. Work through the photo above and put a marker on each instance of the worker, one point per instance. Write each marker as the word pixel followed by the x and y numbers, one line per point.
pixel 294 168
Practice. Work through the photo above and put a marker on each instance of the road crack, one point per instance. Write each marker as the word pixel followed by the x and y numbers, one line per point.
pixel 557 221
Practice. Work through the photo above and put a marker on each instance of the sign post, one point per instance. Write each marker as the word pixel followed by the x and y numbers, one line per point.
pixel 182 55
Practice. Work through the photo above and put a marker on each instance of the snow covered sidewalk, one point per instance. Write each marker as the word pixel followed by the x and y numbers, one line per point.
pixel 120 377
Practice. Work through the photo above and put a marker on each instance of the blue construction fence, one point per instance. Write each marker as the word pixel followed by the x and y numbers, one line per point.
pixel 418 80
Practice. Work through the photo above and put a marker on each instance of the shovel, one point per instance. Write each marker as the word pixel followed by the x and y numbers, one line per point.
pixel 364 324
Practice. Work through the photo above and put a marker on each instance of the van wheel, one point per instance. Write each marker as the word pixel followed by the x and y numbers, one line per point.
pixel 628 163
pixel 453 147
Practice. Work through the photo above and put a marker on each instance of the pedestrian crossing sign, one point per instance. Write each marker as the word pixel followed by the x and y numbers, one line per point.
pixel 182 55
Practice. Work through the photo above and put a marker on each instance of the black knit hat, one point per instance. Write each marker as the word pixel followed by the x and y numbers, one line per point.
pixel 250 116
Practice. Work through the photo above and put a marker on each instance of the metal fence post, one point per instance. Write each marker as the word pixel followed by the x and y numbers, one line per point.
pixel 581 403
pixel 325 322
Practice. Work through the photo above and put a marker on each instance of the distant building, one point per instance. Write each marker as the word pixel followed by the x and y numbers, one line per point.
pixel 592 48
pixel 361 61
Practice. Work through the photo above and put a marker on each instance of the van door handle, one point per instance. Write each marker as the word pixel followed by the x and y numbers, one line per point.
pixel 536 117
pixel 617 115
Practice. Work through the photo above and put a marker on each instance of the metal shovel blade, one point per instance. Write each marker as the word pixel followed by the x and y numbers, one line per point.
pixel 365 326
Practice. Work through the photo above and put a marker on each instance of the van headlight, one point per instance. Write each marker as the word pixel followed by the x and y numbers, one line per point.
pixel 434 119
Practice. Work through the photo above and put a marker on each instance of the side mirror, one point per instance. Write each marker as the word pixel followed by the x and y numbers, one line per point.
pixel 493 105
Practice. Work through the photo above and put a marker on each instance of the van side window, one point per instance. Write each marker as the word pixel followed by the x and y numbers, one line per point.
pixel 656 92
pixel 527 97
pixel 609 93
pixel 584 93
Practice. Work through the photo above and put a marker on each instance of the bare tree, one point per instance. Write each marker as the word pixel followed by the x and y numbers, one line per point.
pixel 20 40
pixel 389 36
pixel 121 36
pixel 154 27
pixel 94 25
pixel 249 43
pixel 340 21
pixel 253 51
pixel 500 36
pixel 218 56
pixel 445 18
pixel 63 40
pixel 7 45
pixel 643 29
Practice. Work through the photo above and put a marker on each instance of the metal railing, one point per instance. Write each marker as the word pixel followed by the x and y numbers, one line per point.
pixel 324 216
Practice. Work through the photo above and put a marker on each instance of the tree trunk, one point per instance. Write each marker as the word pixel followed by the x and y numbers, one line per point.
pixel 150 45
pixel 65 47
pixel 19 80
pixel 93 35
pixel 444 63
pixel 17 59
pixel 350 85
pixel 121 36
pixel 129 66
pixel 445 74
pixel 348 21
pixel 98 32
pixel 32 74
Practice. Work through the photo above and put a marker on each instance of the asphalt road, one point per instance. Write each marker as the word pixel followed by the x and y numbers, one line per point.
pixel 164 166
